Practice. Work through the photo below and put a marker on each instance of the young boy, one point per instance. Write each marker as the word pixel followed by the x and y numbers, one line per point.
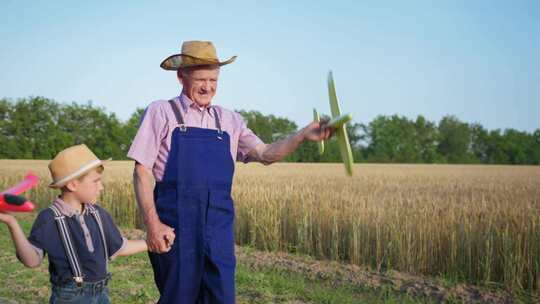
pixel 78 236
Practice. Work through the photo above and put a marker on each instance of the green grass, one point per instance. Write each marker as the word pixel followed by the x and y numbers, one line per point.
pixel 133 282
pixel 271 286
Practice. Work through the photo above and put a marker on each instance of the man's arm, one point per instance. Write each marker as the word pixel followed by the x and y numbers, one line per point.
pixel 159 236
pixel 25 251
pixel 271 153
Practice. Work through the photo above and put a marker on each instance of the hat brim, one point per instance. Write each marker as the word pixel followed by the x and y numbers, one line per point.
pixel 61 183
pixel 177 61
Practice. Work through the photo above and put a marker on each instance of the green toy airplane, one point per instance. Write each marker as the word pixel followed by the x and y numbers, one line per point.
pixel 338 123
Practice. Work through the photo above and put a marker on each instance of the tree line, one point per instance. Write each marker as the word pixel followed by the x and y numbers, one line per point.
pixel 38 127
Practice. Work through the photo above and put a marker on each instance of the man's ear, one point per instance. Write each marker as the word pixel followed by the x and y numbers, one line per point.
pixel 179 76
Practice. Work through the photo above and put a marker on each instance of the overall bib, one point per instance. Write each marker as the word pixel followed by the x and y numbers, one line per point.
pixel 194 198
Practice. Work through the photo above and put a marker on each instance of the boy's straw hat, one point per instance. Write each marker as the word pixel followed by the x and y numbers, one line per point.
pixel 194 53
pixel 71 163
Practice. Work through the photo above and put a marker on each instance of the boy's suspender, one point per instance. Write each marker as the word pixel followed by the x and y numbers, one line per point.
pixel 71 253
pixel 97 217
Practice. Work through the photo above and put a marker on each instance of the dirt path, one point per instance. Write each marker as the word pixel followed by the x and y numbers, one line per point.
pixel 346 275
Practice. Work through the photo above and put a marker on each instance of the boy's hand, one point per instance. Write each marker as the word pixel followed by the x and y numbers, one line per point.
pixel 25 251
pixel 7 218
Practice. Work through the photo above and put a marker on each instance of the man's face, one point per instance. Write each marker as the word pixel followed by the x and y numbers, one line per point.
pixel 200 84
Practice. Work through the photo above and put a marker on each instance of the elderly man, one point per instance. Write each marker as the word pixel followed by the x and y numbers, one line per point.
pixel 188 146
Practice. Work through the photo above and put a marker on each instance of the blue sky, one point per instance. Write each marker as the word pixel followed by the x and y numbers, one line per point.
pixel 477 60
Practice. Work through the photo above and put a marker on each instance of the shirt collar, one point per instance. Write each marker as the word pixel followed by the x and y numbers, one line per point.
pixel 66 210
pixel 186 103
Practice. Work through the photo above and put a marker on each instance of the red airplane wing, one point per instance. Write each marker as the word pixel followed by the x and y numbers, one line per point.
pixel 29 181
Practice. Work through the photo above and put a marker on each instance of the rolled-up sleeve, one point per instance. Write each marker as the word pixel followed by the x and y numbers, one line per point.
pixel 145 146
pixel 247 140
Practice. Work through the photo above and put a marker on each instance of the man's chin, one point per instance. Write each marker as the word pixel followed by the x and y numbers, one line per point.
pixel 203 103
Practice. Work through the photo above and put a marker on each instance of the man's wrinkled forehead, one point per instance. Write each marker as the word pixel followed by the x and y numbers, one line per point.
pixel 190 70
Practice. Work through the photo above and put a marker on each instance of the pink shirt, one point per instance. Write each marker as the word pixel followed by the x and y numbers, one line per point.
pixel 152 143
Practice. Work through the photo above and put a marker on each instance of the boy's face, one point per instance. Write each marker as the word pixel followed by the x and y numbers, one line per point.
pixel 89 187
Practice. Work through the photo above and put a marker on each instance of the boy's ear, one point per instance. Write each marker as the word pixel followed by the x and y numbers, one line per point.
pixel 72 185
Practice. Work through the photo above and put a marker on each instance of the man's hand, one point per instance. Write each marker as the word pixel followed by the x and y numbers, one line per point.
pixel 160 237
pixel 317 131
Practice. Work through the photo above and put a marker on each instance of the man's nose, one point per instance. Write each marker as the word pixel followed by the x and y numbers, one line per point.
pixel 206 86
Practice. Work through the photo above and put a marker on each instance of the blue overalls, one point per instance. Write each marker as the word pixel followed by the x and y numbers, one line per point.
pixel 194 197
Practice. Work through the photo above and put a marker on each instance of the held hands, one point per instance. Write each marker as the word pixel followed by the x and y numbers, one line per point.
pixel 317 131
pixel 160 237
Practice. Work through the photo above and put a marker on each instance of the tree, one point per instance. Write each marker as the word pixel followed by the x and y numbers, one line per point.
pixel 7 140
pixel 131 127
pixel 90 125
pixel 495 149
pixel 37 128
pixel 454 140
pixel 518 146
pixel 535 154
pixel 31 128
pixel 479 142
pixel 426 139
pixel 269 128
pixel 393 139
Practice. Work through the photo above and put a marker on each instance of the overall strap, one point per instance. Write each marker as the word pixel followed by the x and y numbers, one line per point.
pixel 216 117
pixel 180 118
pixel 71 253
pixel 178 114
pixel 97 217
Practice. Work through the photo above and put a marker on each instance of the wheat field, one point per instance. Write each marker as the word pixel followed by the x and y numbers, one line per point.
pixel 478 224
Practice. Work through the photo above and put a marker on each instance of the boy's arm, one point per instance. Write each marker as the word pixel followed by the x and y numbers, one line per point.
pixel 26 253
pixel 116 243
pixel 132 247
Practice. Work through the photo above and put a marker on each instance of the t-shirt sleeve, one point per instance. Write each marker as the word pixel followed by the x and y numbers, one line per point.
pixel 115 241
pixel 247 140
pixel 145 146
pixel 41 229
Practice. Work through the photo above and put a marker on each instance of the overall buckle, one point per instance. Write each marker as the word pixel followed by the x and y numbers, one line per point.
pixel 78 281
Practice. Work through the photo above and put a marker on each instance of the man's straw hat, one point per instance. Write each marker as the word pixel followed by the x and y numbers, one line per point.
pixel 194 53
pixel 71 163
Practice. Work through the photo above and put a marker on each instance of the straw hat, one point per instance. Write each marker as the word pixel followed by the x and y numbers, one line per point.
pixel 71 163
pixel 194 53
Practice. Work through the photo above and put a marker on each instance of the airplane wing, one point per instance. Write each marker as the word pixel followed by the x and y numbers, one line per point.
pixel 29 181
pixel 341 132
pixel 320 144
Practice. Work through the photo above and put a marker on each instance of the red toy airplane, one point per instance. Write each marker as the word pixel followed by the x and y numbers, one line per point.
pixel 10 201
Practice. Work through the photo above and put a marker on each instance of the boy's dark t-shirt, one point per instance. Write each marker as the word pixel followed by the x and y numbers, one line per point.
pixel 45 236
